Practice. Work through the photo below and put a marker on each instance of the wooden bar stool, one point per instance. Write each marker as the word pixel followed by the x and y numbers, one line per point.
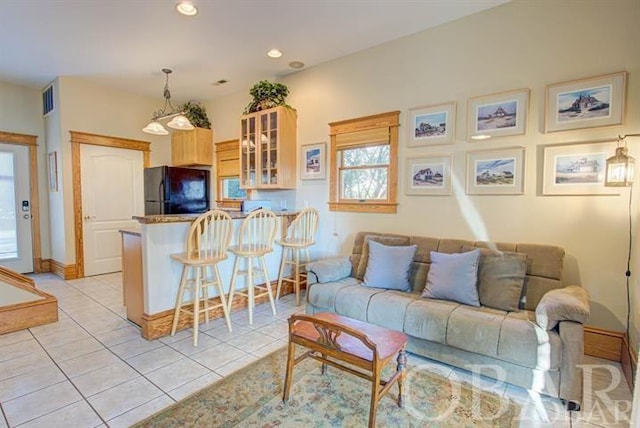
pixel 206 246
pixel 300 236
pixel 255 240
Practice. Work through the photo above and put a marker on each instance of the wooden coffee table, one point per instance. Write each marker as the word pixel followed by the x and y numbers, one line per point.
pixel 333 339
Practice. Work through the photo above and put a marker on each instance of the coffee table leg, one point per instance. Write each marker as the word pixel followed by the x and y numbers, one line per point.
pixel 402 362
pixel 289 373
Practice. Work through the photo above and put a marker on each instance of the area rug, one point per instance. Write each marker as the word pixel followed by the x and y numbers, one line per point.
pixel 252 397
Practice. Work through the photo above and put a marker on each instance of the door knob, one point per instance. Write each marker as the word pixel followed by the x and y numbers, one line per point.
pixel 89 217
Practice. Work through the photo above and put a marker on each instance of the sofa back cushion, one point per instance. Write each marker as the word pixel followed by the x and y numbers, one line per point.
pixel 544 262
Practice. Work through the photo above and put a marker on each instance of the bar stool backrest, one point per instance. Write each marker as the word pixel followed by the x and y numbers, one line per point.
pixel 209 235
pixel 258 231
pixel 303 228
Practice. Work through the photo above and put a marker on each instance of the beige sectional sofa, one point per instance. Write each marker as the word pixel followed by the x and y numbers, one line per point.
pixel 539 346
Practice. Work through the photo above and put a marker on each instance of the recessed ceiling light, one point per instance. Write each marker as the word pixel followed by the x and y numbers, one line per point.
pixel 186 8
pixel 480 137
pixel 296 64
pixel 274 53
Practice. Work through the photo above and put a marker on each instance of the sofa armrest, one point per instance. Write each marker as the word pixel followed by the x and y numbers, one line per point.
pixel 563 304
pixel 327 270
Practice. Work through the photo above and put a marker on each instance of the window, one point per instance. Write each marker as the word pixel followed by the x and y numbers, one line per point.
pixel 231 188
pixel 228 191
pixel 364 164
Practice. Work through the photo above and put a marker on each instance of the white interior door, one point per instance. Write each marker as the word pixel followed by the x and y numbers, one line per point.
pixel 112 192
pixel 16 245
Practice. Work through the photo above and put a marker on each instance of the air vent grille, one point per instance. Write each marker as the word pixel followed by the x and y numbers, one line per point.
pixel 47 100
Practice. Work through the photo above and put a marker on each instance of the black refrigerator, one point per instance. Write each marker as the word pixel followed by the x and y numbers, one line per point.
pixel 171 190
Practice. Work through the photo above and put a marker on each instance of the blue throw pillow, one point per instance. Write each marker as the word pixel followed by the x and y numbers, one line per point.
pixel 389 266
pixel 454 277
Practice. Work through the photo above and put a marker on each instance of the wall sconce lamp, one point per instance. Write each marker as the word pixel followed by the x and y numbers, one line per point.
pixel 621 166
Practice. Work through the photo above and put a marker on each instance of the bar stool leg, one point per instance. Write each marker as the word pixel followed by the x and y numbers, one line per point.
pixel 223 300
pixel 204 284
pixel 196 306
pixel 250 290
pixel 267 282
pixel 296 278
pixel 232 283
pixel 176 313
pixel 281 271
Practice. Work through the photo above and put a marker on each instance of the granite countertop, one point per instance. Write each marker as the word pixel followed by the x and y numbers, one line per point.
pixel 180 218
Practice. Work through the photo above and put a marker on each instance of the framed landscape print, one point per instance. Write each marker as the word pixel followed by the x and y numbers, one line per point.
pixel 496 172
pixel 313 162
pixel 498 115
pixel 431 125
pixel 429 175
pixel 577 169
pixel 586 103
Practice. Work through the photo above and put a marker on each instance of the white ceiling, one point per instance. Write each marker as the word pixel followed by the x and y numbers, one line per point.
pixel 125 43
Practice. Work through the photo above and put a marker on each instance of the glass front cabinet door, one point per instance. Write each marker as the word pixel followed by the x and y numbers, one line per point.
pixel 268 149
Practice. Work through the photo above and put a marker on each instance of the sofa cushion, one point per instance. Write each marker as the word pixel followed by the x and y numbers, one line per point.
pixel 453 277
pixel 324 295
pixel 427 319
pixel 475 329
pixel 501 278
pixel 385 240
pixel 389 266
pixel 523 342
pixel 353 301
pixel 388 309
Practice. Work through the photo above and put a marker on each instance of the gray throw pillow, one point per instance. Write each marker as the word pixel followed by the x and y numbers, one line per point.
pixel 501 278
pixel 389 266
pixel 453 277
pixel 395 241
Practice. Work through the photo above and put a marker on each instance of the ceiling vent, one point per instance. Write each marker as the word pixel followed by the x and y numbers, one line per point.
pixel 47 100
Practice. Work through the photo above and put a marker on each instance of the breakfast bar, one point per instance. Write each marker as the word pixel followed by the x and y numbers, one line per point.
pixel 151 278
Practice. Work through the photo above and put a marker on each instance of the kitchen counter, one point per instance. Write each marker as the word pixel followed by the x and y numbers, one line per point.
pixel 179 218
pixel 153 277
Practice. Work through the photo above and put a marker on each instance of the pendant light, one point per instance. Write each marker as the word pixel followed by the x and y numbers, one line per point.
pixel 179 121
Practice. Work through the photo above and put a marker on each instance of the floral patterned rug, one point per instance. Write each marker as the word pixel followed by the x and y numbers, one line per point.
pixel 252 397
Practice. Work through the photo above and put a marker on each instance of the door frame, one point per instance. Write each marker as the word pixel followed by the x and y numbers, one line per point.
pixel 31 141
pixel 78 138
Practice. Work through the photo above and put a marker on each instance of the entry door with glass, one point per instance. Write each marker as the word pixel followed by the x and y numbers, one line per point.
pixel 16 247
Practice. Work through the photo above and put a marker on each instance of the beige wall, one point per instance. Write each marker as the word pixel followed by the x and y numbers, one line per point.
pixel 88 107
pixel 20 112
pixel 523 44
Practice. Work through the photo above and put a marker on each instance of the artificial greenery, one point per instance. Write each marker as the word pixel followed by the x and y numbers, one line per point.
pixel 197 114
pixel 266 95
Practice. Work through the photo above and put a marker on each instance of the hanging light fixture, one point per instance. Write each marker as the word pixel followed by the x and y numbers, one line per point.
pixel 179 121
pixel 621 166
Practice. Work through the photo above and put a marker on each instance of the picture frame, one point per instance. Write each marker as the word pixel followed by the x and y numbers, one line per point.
pixel 431 125
pixel 313 161
pixel 577 168
pixel 429 175
pixel 586 103
pixel 53 172
pixel 498 115
pixel 496 172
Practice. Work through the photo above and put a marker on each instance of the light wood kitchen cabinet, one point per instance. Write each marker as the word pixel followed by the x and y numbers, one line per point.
pixel 268 149
pixel 192 148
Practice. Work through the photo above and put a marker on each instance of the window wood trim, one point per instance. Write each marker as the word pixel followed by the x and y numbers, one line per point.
pixel 226 151
pixel 364 126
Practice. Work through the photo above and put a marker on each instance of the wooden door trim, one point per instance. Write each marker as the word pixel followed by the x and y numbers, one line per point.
pixel 31 141
pixel 78 138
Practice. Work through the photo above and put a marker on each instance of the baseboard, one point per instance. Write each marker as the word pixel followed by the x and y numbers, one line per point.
pixel 159 324
pixel 629 362
pixel 62 270
pixel 602 343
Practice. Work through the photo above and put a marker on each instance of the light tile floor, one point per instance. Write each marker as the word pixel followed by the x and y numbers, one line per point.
pixel 93 369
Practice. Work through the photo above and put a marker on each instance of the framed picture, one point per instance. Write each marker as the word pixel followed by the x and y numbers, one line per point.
pixel 577 169
pixel 498 115
pixel 313 162
pixel 431 125
pixel 585 103
pixel 429 175
pixel 496 172
pixel 53 172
